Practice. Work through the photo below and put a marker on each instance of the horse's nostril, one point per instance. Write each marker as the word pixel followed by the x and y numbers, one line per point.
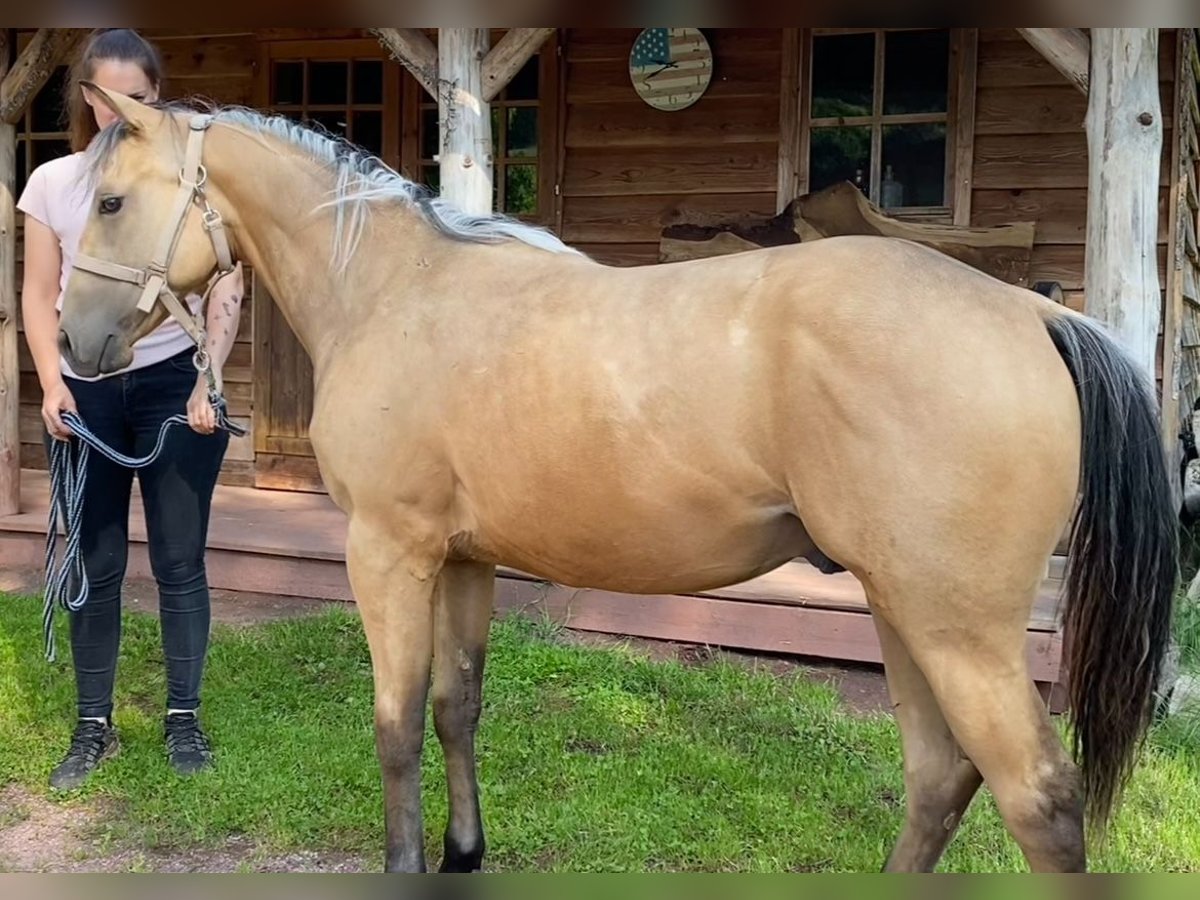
pixel 64 343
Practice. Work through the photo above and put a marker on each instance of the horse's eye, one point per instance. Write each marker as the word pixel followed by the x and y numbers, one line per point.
pixel 110 205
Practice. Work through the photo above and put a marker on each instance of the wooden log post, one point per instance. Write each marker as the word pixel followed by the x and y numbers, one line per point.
pixel 464 77
pixel 1124 136
pixel 10 439
pixel 465 158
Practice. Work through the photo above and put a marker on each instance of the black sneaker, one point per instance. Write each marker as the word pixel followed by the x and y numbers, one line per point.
pixel 187 744
pixel 92 743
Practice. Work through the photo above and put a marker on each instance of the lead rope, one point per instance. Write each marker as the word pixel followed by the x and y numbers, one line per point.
pixel 68 482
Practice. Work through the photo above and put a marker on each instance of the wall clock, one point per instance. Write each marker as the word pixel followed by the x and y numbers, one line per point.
pixel 670 67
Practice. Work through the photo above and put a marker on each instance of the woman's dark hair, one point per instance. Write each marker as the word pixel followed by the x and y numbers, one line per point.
pixel 121 44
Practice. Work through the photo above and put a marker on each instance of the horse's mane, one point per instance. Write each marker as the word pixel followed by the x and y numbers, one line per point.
pixel 360 180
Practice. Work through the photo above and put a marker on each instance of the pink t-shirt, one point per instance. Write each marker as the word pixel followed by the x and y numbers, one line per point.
pixel 58 197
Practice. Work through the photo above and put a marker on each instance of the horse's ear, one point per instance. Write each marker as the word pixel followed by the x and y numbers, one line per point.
pixel 136 115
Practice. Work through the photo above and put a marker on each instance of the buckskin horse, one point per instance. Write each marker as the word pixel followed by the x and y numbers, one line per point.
pixel 486 395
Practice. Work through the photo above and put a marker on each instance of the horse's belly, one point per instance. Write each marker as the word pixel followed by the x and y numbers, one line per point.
pixel 638 555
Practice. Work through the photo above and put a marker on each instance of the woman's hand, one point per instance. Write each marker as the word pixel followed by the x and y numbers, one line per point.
pixel 201 416
pixel 224 312
pixel 55 400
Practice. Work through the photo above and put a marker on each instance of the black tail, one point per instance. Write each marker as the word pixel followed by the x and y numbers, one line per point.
pixel 1123 567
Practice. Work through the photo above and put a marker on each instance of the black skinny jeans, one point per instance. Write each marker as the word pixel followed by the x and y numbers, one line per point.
pixel 126 412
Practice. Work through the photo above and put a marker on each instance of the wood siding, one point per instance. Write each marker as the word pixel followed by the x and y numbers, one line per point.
pixel 629 170
pixel 1031 158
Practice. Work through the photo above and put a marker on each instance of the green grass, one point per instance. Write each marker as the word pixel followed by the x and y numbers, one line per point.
pixel 1186 630
pixel 590 759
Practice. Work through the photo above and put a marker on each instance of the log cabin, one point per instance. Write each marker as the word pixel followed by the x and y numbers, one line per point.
pixel 950 129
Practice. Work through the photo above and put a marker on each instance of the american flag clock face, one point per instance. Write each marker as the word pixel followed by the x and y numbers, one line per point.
pixel 670 67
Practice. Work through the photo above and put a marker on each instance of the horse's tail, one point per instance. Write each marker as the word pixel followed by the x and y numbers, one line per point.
pixel 1122 573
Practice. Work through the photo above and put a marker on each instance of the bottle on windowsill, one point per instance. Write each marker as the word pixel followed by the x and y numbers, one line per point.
pixel 892 193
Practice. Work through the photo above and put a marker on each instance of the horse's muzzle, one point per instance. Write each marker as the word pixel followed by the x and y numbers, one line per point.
pixel 89 358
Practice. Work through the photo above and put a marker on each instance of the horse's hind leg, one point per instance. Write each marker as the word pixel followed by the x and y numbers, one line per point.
pixel 462 613
pixel 973 657
pixel 939 780
pixel 394 592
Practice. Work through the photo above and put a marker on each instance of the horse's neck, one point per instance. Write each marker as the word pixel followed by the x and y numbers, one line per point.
pixel 273 196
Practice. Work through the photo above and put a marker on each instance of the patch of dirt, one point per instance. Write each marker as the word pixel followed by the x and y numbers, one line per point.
pixel 234 855
pixel 862 688
pixel 39 835
pixel 588 747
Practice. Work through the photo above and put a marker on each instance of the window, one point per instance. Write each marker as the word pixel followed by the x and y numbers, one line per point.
pixel 346 88
pixel 878 115
pixel 518 125
pixel 41 130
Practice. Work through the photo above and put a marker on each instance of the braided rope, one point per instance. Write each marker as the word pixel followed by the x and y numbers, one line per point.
pixel 68 481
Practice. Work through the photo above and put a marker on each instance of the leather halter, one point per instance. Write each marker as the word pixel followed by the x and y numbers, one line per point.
pixel 152 278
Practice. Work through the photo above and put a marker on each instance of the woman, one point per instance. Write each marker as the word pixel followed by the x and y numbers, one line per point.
pixel 126 409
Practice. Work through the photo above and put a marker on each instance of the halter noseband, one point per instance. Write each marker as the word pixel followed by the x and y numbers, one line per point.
pixel 152 278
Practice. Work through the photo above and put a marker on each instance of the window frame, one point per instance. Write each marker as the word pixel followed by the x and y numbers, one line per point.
pixel 332 50
pixel 960 100
pixel 26 137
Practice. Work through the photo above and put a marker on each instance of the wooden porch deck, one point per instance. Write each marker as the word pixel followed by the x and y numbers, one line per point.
pixel 292 544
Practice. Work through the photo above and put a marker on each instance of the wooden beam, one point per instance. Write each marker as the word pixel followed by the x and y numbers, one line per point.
pixel 48 48
pixel 1124 137
pixel 966 65
pixel 413 50
pixel 10 369
pixel 1067 49
pixel 789 119
pixel 464 119
pixel 506 58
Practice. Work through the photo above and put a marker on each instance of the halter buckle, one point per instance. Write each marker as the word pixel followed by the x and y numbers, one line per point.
pixel 211 218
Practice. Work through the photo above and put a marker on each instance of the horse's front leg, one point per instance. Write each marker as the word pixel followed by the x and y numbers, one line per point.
pixel 462 613
pixel 393 585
